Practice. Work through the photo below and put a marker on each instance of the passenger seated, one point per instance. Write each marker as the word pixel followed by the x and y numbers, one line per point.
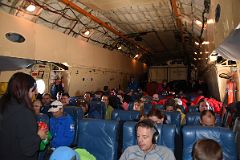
pixel 61 126
pixel 147 136
pixel 155 99
pixel 207 149
pixel 156 116
pixel 138 105
pixel 204 105
pixel 37 104
pixel 172 105
pixel 208 118
pixel 64 99
pixel 84 105
pixel 46 104
pixel 108 108
pixel 87 97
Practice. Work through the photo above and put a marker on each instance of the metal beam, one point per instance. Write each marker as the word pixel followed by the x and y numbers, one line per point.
pixel 100 22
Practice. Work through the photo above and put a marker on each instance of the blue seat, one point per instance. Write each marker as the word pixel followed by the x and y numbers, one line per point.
pixel 99 137
pixel 192 109
pixel 130 106
pixel 194 119
pixel 224 136
pixel 121 115
pixel 77 114
pixel 173 118
pixel 96 109
pixel 73 101
pixel 159 107
pixel 166 135
pixel 147 108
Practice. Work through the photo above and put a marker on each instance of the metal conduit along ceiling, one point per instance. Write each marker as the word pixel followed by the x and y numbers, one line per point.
pixel 157 30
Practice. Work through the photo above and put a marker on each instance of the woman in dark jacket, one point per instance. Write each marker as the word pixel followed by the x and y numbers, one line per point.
pixel 19 134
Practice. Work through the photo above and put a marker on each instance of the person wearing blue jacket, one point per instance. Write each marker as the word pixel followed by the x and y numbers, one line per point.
pixel 61 126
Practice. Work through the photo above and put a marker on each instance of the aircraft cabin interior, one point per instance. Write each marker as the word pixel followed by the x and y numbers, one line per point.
pixel 99 46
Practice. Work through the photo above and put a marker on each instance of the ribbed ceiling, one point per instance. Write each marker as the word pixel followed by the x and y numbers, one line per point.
pixel 164 29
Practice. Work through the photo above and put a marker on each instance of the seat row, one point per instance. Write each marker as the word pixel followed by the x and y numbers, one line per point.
pixel 101 138
pixel 106 139
pixel 172 117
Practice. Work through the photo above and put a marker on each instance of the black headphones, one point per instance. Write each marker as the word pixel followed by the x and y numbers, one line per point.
pixel 149 124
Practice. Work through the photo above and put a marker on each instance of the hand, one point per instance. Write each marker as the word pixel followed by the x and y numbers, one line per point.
pixel 42 133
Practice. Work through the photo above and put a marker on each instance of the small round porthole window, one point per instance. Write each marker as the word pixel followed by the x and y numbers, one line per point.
pixel 15 37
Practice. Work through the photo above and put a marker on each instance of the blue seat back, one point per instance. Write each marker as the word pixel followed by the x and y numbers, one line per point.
pixel 166 135
pixel 121 115
pixel 73 101
pixel 77 115
pixel 224 136
pixel 194 119
pixel 192 109
pixel 159 107
pixel 147 108
pixel 130 106
pixel 99 137
pixel 96 109
pixel 173 118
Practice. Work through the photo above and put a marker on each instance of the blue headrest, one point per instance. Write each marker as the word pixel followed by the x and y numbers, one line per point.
pixel 73 101
pixel 99 137
pixel 166 135
pixel 130 106
pixel 77 115
pixel 192 109
pixel 159 107
pixel 147 108
pixel 75 112
pixel 96 109
pixel 194 119
pixel 125 115
pixel 224 136
pixel 173 118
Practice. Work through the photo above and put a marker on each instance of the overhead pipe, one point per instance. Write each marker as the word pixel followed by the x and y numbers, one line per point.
pixel 100 22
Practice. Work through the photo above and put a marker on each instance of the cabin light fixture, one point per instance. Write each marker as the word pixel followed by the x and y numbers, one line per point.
pixel 31 8
pixel 136 56
pixel 206 52
pixel 195 59
pixel 210 21
pixel 195 52
pixel 206 58
pixel 119 48
pixel 200 52
pixel 199 58
pixel 196 43
pixel 199 23
pixel 86 33
pixel 205 42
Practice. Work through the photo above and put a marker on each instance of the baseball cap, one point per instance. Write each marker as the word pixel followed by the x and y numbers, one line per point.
pixel 64 153
pixel 55 106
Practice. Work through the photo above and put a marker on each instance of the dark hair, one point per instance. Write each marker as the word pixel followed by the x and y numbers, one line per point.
pixel 207 149
pixel 170 102
pixel 148 123
pixel 157 113
pixel 145 123
pixel 47 94
pixel 65 94
pixel 18 89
